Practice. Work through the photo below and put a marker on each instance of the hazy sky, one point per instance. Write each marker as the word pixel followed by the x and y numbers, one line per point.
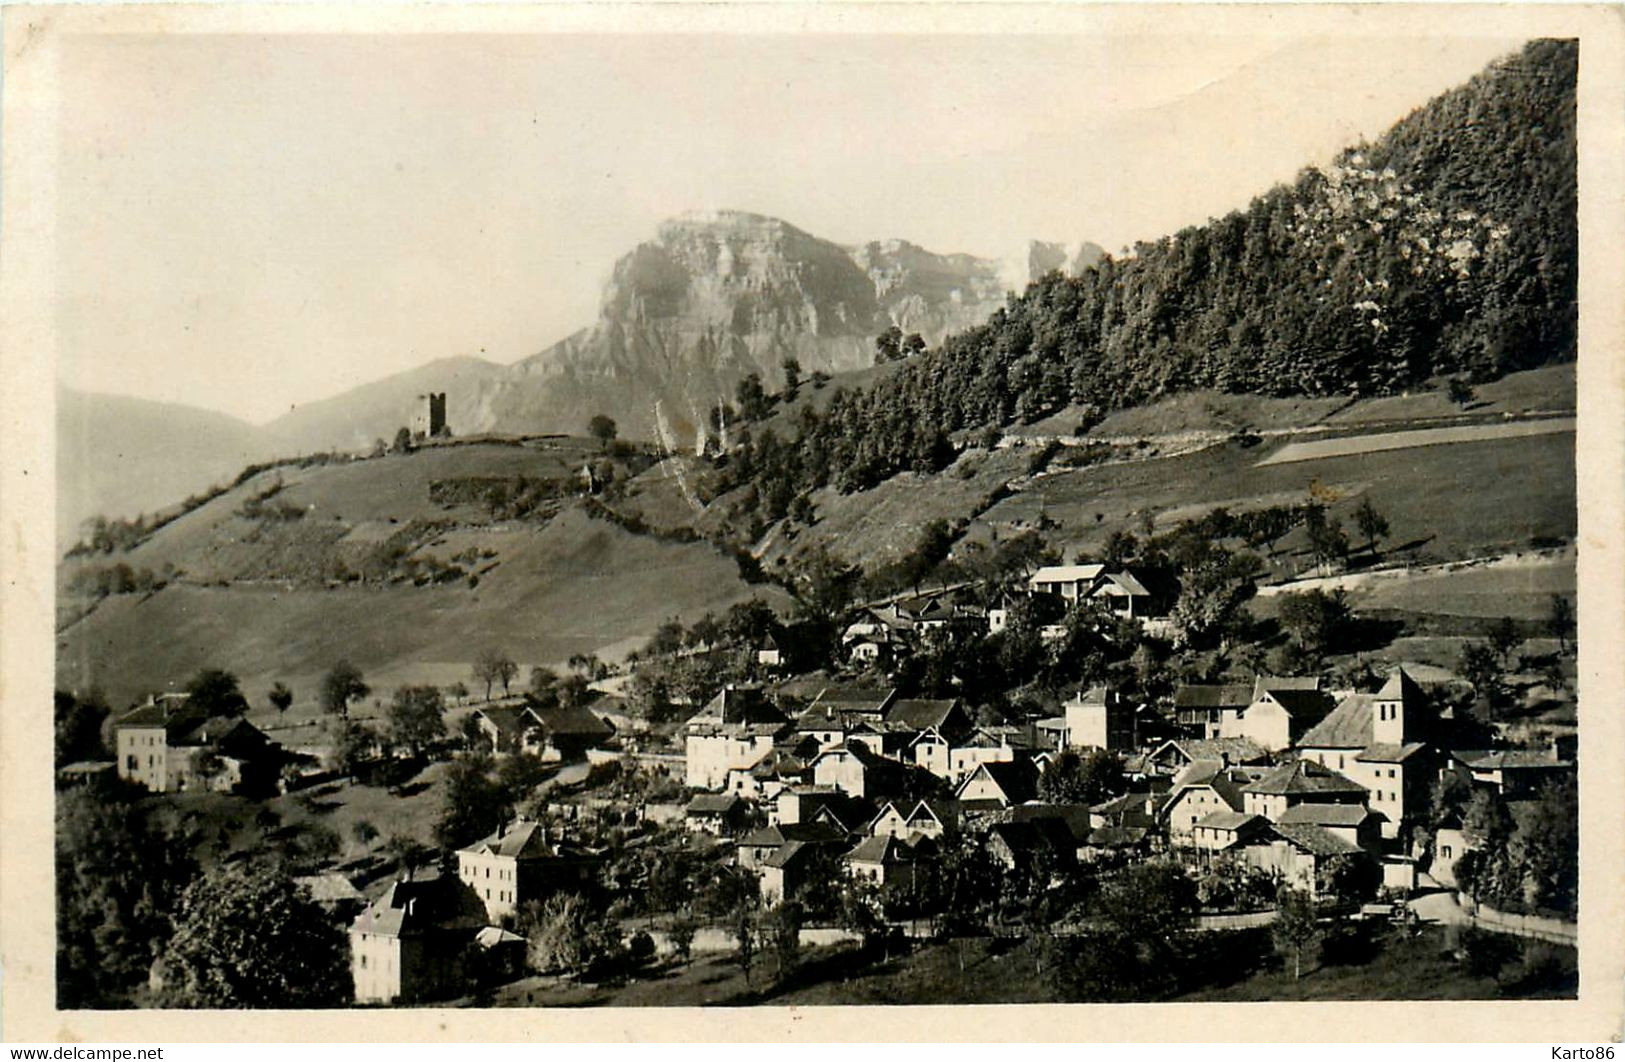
pixel 250 222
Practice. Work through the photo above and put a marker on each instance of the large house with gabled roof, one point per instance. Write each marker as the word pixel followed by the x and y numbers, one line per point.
pixel 517 863
pixel 1378 740
pixel 1275 791
pixel 736 729
pixel 1280 712
pixel 167 746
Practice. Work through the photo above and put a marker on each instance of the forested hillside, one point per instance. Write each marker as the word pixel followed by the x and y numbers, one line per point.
pixel 1449 246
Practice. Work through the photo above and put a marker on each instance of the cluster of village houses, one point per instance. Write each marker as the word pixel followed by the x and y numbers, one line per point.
pixel 1280 775
pixel 881 633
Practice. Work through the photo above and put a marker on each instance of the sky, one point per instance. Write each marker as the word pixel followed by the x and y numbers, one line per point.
pixel 250 222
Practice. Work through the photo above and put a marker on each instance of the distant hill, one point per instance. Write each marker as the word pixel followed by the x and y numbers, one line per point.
pixel 120 457
pixel 356 419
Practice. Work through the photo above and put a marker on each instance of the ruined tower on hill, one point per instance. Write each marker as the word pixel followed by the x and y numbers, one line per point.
pixel 431 421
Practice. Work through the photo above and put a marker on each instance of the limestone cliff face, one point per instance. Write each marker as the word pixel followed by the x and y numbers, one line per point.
pixel 716 296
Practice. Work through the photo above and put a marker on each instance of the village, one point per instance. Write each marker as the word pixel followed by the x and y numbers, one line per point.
pixel 616 822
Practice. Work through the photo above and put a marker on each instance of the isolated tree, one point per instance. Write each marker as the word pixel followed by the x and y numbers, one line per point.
pixel 1295 930
pixel 889 345
pixel 784 935
pixel 216 692
pixel 913 344
pixel 403 440
pixel 1150 905
pixel 1459 391
pixel 417 717
pixel 364 832
pixel 491 667
pixel 1372 524
pixel 543 682
pixel 603 429
pixel 1314 619
pixel 1560 621
pixel 1480 665
pixel 1328 544
pixel 342 685
pixel 792 376
pixel 681 934
pixel 744 928
pixel 458 692
pixel 281 698
pixel 751 397
pixel 1504 638
pixel 353 746
pixel 247 936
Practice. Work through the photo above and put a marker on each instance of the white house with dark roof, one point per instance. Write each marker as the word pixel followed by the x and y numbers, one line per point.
pixel 1354 823
pixel 1222 831
pixel 1274 792
pixel 925 818
pixel 1203 788
pixel 1072 582
pixel 514 864
pixel 167 746
pixel 736 729
pixel 1099 718
pixel 1277 716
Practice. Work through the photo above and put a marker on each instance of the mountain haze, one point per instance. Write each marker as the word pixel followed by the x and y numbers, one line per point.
pixel 120 456
pixel 716 296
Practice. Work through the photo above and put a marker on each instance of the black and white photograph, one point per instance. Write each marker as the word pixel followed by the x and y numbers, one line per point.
pixel 734 515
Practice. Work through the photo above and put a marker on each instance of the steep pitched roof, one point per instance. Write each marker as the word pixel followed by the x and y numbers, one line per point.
pixel 1301 704
pixel 574 721
pixel 1230 695
pixel 1032 835
pixel 1302 777
pixel 1345 815
pixel 1388 753
pixel 882 849
pixel 738 709
pixel 1074 816
pixel 509 720
pixel 1017 779
pixel 869 699
pixel 1229 820
pixel 176 720
pixel 807 832
pixel 1205 774
pixel 1347 727
pixel 1122 584
pixel 1503 759
pixel 1271 683
pixel 1225 751
pixel 1316 840
pixel 713 804
pixel 922 714
pixel 420 904
pixel 523 840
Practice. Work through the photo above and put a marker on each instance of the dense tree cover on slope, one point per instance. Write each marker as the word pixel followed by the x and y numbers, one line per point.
pixel 1449 246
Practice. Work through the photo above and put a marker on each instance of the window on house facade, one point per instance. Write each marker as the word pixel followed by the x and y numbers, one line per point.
pixel 1444 850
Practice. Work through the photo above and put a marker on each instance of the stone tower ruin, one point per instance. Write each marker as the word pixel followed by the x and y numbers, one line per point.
pixel 437 414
